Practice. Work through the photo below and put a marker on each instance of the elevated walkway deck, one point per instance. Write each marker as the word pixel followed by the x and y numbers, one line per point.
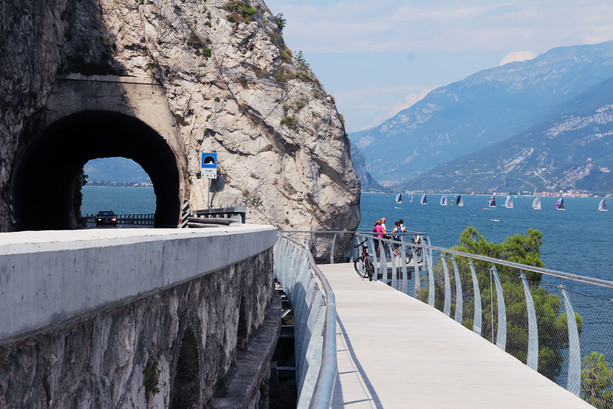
pixel 397 352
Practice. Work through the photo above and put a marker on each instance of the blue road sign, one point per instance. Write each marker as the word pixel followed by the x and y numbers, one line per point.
pixel 209 160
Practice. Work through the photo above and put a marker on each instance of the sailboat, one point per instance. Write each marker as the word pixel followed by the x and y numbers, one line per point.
pixel 424 199
pixel 602 206
pixel 444 200
pixel 508 203
pixel 410 197
pixel 399 198
pixel 460 201
pixel 560 204
pixel 536 203
pixel 491 202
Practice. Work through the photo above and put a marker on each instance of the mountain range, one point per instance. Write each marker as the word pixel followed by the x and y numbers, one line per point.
pixel 496 112
pixel 573 149
pixel 115 170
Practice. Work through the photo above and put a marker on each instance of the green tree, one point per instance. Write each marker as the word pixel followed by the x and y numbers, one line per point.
pixel 280 21
pixel 523 249
pixel 597 381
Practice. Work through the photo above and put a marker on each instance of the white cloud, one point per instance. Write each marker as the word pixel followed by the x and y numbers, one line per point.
pixel 409 101
pixel 448 40
pixel 517 56
pixel 368 107
pixel 365 25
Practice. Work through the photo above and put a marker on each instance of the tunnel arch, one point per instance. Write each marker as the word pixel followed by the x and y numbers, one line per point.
pixel 46 171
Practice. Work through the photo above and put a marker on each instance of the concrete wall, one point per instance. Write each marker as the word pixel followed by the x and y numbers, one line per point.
pixel 87 316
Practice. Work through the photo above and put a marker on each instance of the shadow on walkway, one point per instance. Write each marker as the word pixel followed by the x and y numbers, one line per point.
pixel 347 357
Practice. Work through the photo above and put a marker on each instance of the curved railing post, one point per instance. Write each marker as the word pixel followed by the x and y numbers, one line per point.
pixel 533 337
pixel 573 383
pixel 383 263
pixel 501 337
pixel 332 250
pixel 393 282
pixel 477 314
pixel 417 278
pixel 375 258
pixel 403 261
pixel 459 302
pixel 447 304
pixel 431 290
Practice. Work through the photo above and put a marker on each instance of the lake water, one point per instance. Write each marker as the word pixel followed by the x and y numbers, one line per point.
pixel 121 200
pixel 577 240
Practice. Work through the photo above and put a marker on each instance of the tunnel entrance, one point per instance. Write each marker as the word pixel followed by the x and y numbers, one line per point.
pixel 47 172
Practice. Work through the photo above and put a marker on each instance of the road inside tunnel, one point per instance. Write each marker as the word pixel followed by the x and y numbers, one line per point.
pixel 46 175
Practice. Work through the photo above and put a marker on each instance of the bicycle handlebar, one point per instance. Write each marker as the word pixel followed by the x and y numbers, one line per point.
pixel 359 244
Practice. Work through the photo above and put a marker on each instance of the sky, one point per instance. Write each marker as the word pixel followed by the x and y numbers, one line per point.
pixel 377 57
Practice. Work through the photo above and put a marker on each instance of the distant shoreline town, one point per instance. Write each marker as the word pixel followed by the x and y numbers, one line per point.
pixel 119 184
pixel 531 194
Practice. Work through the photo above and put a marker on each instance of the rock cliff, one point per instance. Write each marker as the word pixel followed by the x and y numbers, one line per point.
pixel 231 85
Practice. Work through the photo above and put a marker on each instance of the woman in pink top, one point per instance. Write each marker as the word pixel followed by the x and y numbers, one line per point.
pixel 378 230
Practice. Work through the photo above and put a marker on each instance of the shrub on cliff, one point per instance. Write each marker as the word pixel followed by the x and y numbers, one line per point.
pixel 240 11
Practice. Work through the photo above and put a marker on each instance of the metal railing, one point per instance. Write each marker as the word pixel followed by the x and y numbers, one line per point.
pixel 544 317
pixel 548 317
pixel 314 310
pixel 308 238
pixel 146 219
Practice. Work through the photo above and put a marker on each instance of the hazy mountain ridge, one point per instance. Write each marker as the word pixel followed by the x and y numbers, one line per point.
pixel 115 169
pixel 481 110
pixel 366 180
pixel 573 149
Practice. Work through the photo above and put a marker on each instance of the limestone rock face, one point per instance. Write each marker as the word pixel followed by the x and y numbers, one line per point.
pixel 231 85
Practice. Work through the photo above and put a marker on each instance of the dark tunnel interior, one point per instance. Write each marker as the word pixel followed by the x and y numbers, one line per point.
pixel 48 168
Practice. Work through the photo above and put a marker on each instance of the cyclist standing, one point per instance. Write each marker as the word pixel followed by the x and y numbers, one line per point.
pixel 397 237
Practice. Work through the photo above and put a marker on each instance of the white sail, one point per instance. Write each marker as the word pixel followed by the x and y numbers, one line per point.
pixel 491 202
pixel 410 197
pixel 508 203
pixel 536 203
pixel 424 199
pixel 399 198
pixel 560 204
pixel 444 200
pixel 602 206
pixel 460 201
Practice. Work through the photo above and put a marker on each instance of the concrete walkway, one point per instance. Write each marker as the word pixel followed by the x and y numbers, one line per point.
pixel 397 352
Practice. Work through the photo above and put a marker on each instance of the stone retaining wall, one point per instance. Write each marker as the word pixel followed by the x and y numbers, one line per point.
pixel 169 348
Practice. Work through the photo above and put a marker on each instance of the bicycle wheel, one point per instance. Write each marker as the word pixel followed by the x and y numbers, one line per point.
pixel 420 255
pixel 408 255
pixel 360 267
pixel 370 269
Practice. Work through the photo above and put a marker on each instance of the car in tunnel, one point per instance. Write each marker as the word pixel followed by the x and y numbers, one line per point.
pixel 106 217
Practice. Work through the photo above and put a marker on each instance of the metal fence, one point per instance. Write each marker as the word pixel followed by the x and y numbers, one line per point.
pixel 145 219
pixel 555 322
pixel 314 310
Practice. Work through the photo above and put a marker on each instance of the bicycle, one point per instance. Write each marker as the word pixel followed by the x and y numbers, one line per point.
pixel 363 266
pixel 418 250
